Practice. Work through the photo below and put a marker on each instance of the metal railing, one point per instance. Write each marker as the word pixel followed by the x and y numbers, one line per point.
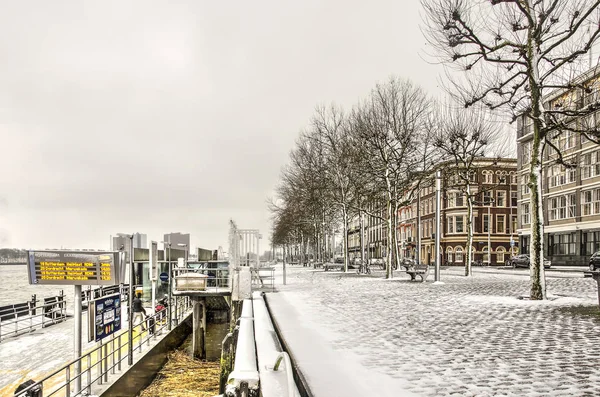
pixel 244 377
pixel 106 358
pixel 37 316
pixel 218 278
pixel 263 277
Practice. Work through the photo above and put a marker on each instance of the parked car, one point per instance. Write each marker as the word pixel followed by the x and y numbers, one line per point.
pixel 595 261
pixel 523 261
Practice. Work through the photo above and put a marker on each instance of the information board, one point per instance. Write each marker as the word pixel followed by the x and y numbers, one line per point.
pixel 104 316
pixel 73 267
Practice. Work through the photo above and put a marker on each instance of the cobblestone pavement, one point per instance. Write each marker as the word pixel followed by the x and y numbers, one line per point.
pixel 467 337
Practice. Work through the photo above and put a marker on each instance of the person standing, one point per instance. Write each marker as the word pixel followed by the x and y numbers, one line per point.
pixel 139 313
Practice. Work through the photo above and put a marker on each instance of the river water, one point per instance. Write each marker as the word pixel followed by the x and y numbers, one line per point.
pixel 15 287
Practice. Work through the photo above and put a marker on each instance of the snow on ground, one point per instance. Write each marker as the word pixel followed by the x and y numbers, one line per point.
pixel 365 336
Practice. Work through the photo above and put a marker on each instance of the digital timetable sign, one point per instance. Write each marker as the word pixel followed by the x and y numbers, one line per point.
pixel 73 267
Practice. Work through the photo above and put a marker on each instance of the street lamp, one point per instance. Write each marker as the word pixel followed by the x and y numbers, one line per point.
pixel 491 201
pixel 185 247
pixel 170 305
pixel 130 300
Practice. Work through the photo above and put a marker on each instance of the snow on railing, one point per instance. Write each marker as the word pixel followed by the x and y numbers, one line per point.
pixel 275 379
pixel 243 380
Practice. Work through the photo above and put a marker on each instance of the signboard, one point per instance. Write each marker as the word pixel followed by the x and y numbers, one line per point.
pixel 164 277
pixel 104 317
pixel 512 242
pixel 73 267
pixel 153 261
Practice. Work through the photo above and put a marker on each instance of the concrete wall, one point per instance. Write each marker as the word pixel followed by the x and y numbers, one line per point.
pixel 141 374
pixel 217 327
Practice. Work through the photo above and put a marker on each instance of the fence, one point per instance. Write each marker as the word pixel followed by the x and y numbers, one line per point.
pixel 106 358
pixel 25 317
pixel 20 318
pixel 217 272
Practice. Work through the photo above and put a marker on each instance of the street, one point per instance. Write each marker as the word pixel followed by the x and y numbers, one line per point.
pixel 466 337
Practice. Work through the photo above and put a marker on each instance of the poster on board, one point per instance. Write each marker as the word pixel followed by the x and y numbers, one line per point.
pixel 104 317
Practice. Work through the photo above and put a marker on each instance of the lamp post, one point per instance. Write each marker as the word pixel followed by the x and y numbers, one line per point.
pixel 130 300
pixel 490 232
pixel 185 265
pixel 438 231
pixel 185 257
pixel 170 305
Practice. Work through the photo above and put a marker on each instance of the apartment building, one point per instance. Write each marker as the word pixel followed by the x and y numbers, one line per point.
pixel 494 216
pixel 571 196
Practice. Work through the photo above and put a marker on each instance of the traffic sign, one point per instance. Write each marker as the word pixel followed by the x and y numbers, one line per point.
pixel 164 277
pixel 512 242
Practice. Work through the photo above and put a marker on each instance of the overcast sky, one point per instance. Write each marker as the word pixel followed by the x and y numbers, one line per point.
pixel 156 116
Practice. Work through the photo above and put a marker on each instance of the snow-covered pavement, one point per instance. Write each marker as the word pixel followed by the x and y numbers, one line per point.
pixel 366 336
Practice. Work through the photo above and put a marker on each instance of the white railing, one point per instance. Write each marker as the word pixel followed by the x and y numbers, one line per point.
pixel 218 278
pixel 244 376
pixel 106 358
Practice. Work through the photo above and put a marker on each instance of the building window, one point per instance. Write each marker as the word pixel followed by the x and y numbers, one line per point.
pixel 525 214
pixel 459 200
pixel 590 165
pixel 486 223
pixel 451 200
pixel 513 178
pixel 486 257
pixel 459 224
pixel 513 224
pixel 558 175
pixel 525 184
pixel 501 198
pixel 500 251
pixel 565 140
pixel 450 224
pixel 488 177
pixel 513 199
pixel 526 152
pixel 500 223
pixel 487 198
pixel 449 254
pixel 561 207
pixel 562 244
pixel 459 254
pixel 591 242
pixel 590 202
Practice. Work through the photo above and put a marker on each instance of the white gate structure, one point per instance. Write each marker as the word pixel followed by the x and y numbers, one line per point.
pixel 244 247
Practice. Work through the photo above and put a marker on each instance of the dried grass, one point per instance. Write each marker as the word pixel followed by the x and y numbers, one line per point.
pixel 183 376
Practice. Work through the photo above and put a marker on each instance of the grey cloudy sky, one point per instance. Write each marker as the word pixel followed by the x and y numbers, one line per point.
pixel 156 116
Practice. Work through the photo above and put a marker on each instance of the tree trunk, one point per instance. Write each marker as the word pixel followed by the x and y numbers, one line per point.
pixel 388 267
pixel 469 250
pixel 345 239
pixel 361 238
pixel 395 223
pixel 538 280
pixel 302 248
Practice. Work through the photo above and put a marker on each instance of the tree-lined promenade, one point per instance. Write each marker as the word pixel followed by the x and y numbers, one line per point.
pixel 511 60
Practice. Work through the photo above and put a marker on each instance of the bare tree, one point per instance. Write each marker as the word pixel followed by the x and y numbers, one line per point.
pixel 513 54
pixel 330 132
pixel 463 136
pixel 389 127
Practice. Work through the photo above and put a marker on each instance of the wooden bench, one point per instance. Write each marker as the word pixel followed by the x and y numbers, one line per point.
pixel 330 266
pixel 418 270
